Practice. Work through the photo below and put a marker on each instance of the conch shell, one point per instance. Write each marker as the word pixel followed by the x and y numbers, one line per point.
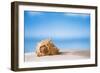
pixel 46 47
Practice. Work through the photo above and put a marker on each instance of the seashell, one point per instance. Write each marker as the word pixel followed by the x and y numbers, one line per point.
pixel 46 48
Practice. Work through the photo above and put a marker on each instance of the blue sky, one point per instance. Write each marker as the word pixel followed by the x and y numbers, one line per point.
pixel 56 25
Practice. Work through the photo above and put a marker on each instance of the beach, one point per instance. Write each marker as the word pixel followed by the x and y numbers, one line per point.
pixel 63 55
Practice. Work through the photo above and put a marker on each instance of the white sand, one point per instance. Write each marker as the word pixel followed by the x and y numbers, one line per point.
pixel 66 55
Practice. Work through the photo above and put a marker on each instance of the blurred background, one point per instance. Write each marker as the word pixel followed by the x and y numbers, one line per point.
pixel 66 30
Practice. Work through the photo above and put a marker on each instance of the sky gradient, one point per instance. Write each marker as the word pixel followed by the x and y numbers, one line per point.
pixel 56 25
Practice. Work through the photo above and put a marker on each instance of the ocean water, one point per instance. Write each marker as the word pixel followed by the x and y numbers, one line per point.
pixel 84 44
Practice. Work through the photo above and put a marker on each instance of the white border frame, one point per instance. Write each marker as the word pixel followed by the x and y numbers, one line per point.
pixel 23 64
